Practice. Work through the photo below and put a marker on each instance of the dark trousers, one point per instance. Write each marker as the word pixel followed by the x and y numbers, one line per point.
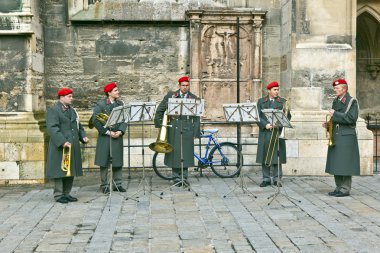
pixel 266 172
pixel 177 172
pixel 343 183
pixel 62 186
pixel 117 176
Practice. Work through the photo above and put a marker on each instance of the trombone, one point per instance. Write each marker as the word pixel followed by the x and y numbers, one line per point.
pixel 271 146
pixel 66 160
pixel 329 130
pixel 274 136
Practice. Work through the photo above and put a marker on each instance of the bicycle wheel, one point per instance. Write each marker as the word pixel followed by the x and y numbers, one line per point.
pixel 225 161
pixel 160 168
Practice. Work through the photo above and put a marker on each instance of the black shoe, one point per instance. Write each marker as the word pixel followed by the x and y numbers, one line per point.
pixel 71 198
pixel 279 184
pixel 119 189
pixel 62 200
pixel 106 190
pixel 342 194
pixel 264 184
pixel 332 193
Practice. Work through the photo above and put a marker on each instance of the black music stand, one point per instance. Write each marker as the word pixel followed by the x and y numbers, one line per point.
pixel 118 115
pixel 278 120
pixel 141 112
pixel 241 113
pixel 178 107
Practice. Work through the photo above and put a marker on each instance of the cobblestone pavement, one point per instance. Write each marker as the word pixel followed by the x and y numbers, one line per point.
pixel 183 222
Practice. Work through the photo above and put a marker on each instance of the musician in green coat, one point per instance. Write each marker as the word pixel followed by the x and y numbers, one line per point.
pixel 269 137
pixel 113 134
pixel 65 131
pixel 343 159
pixel 190 129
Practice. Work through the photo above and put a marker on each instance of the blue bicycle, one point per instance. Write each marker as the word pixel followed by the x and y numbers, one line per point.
pixel 224 158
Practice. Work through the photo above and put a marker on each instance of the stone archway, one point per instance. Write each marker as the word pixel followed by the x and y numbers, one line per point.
pixel 368 60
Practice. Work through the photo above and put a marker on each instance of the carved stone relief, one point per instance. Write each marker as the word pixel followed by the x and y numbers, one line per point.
pixel 214 60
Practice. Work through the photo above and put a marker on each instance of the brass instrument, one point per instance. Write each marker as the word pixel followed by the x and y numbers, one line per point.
pixel 274 137
pixel 101 117
pixel 66 160
pixel 286 113
pixel 271 146
pixel 329 130
pixel 161 145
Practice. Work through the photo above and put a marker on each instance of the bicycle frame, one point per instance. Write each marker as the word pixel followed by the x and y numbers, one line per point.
pixel 205 160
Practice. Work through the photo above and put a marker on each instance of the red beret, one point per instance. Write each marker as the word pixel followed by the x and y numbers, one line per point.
pixel 339 81
pixel 272 84
pixel 109 87
pixel 64 92
pixel 183 79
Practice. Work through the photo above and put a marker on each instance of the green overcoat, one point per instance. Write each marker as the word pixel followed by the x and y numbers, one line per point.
pixel 343 159
pixel 190 129
pixel 265 135
pixel 63 126
pixel 102 155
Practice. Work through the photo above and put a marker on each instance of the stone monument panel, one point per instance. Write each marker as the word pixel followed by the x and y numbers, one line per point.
pixel 213 49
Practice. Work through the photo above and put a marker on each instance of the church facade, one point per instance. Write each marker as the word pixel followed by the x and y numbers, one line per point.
pixel 146 45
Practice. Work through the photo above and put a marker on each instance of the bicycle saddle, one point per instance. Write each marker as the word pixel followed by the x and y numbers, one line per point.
pixel 211 131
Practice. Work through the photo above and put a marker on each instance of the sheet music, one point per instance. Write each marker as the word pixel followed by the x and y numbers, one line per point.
pixel 185 107
pixel 142 111
pixel 244 112
pixel 117 116
pixel 277 118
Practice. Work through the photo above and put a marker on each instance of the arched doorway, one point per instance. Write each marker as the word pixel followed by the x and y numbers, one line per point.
pixel 368 72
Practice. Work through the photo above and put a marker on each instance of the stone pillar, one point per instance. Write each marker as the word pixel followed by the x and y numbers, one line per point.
pixel 195 41
pixel 22 125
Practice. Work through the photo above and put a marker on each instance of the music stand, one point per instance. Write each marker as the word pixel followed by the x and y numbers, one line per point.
pixel 278 119
pixel 141 112
pixel 178 107
pixel 241 113
pixel 118 115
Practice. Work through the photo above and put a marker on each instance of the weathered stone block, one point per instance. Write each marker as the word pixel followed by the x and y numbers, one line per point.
pixel 32 169
pixel 116 48
pixel 9 170
pixel 301 102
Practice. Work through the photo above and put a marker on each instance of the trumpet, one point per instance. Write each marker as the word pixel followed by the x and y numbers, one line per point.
pixel 66 160
pixel 329 130
pixel 161 145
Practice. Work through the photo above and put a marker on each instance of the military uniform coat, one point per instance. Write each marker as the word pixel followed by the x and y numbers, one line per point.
pixel 343 159
pixel 63 126
pixel 265 134
pixel 190 129
pixel 102 155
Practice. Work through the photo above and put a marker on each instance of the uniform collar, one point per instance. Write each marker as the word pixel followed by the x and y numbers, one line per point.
pixel 64 107
pixel 109 101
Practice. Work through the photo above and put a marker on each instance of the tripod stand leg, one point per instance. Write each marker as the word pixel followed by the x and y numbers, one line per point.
pixel 143 182
pixel 242 183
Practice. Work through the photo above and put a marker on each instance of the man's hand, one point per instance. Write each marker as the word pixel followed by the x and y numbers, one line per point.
pixel 331 111
pixel 268 126
pixel 115 134
pixel 66 144
pixel 85 140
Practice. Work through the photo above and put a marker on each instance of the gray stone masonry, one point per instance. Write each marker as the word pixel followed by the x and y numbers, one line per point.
pixel 181 222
